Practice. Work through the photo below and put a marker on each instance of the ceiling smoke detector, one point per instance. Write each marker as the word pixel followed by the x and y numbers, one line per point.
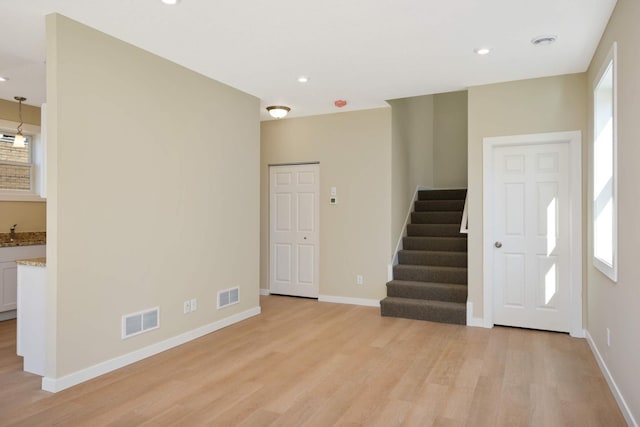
pixel 543 40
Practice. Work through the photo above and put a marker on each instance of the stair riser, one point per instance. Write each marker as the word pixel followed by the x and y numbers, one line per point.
pixel 443 315
pixel 442 194
pixel 451 259
pixel 427 292
pixel 434 230
pixel 436 217
pixel 427 274
pixel 458 244
pixel 439 205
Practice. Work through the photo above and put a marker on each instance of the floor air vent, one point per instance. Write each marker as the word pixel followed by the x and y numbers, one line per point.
pixel 143 321
pixel 228 297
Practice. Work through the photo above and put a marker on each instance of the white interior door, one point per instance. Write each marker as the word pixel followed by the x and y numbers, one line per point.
pixel 531 264
pixel 294 230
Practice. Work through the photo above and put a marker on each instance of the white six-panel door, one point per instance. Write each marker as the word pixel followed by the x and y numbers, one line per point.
pixel 531 263
pixel 294 230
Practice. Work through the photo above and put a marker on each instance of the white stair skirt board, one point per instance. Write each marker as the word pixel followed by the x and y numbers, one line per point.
pixel 475 321
pixel 394 261
pixel 347 300
pixel 55 385
pixel 624 408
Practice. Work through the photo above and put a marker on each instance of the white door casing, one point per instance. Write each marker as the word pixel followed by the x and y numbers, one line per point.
pixel 294 238
pixel 532 207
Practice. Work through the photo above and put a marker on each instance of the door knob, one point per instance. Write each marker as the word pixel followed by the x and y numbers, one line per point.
pixel 305 237
pixel 498 245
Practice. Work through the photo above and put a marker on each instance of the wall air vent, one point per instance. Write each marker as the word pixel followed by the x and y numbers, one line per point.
pixel 228 297
pixel 142 321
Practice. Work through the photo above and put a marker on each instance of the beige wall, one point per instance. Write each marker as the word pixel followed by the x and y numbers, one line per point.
pixel 522 107
pixel 9 111
pixel 411 155
pixel 153 195
pixel 428 149
pixel 30 216
pixel 615 305
pixel 450 140
pixel 354 154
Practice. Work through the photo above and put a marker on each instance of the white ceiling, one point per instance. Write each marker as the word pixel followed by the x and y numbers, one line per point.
pixel 362 51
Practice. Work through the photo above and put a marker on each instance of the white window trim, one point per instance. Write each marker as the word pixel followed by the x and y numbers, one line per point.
pixel 37 165
pixel 611 271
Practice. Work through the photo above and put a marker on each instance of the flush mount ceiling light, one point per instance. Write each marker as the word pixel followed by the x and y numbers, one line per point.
pixel 544 40
pixel 482 50
pixel 278 111
pixel 303 79
pixel 171 2
pixel 3 79
pixel 18 141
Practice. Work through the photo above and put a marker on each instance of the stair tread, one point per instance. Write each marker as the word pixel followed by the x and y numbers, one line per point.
pixel 430 267
pixel 427 252
pixel 437 284
pixel 426 302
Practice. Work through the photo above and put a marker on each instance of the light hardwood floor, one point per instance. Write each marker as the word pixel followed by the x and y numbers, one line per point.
pixel 318 364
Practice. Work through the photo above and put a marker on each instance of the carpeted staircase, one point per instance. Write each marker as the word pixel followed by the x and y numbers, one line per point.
pixel 430 279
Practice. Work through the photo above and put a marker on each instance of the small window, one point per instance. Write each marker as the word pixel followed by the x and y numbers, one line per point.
pixel 605 227
pixel 16 166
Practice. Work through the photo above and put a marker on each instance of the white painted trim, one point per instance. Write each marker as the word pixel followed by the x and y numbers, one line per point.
pixel 55 385
pixel 464 224
pixel 622 403
pixel 474 321
pixel 264 292
pixel 348 300
pixel 609 270
pixel 574 139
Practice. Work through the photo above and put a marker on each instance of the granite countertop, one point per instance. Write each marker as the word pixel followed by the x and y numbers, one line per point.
pixel 33 262
pixel 23 239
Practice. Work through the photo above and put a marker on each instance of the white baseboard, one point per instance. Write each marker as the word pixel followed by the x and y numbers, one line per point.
pixel 264 292
pixel 477 322
pixel 346 300
pixel 624 408
pixel 55 385
pixel 6 315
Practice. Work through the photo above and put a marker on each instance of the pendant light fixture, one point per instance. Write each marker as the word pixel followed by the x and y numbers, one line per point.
pixel 19 140
pixel 278 111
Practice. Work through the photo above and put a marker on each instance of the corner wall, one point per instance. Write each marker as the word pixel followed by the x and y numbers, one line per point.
pixel 153 185
pixel 353 149
pixel 615 305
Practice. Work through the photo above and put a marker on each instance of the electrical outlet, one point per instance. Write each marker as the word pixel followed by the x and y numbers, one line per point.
pixel 608 338
pixel 194 304
pixel 359 279
pixel 187 307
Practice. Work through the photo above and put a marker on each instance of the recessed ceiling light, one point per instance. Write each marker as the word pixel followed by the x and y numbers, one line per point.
pixel 303 79
pixel 482 50
pixel 544 40
pixel 3 79
pixel 171 2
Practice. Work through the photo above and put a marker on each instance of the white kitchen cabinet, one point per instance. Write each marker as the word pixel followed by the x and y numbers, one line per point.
pixel 32 307
pixel 9 275
pixel 8 285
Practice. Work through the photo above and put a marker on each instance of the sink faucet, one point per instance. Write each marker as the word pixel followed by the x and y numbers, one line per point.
pixel 13 232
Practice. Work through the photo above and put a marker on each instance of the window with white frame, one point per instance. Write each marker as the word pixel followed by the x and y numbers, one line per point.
pixel 605 225
pixel 16 165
